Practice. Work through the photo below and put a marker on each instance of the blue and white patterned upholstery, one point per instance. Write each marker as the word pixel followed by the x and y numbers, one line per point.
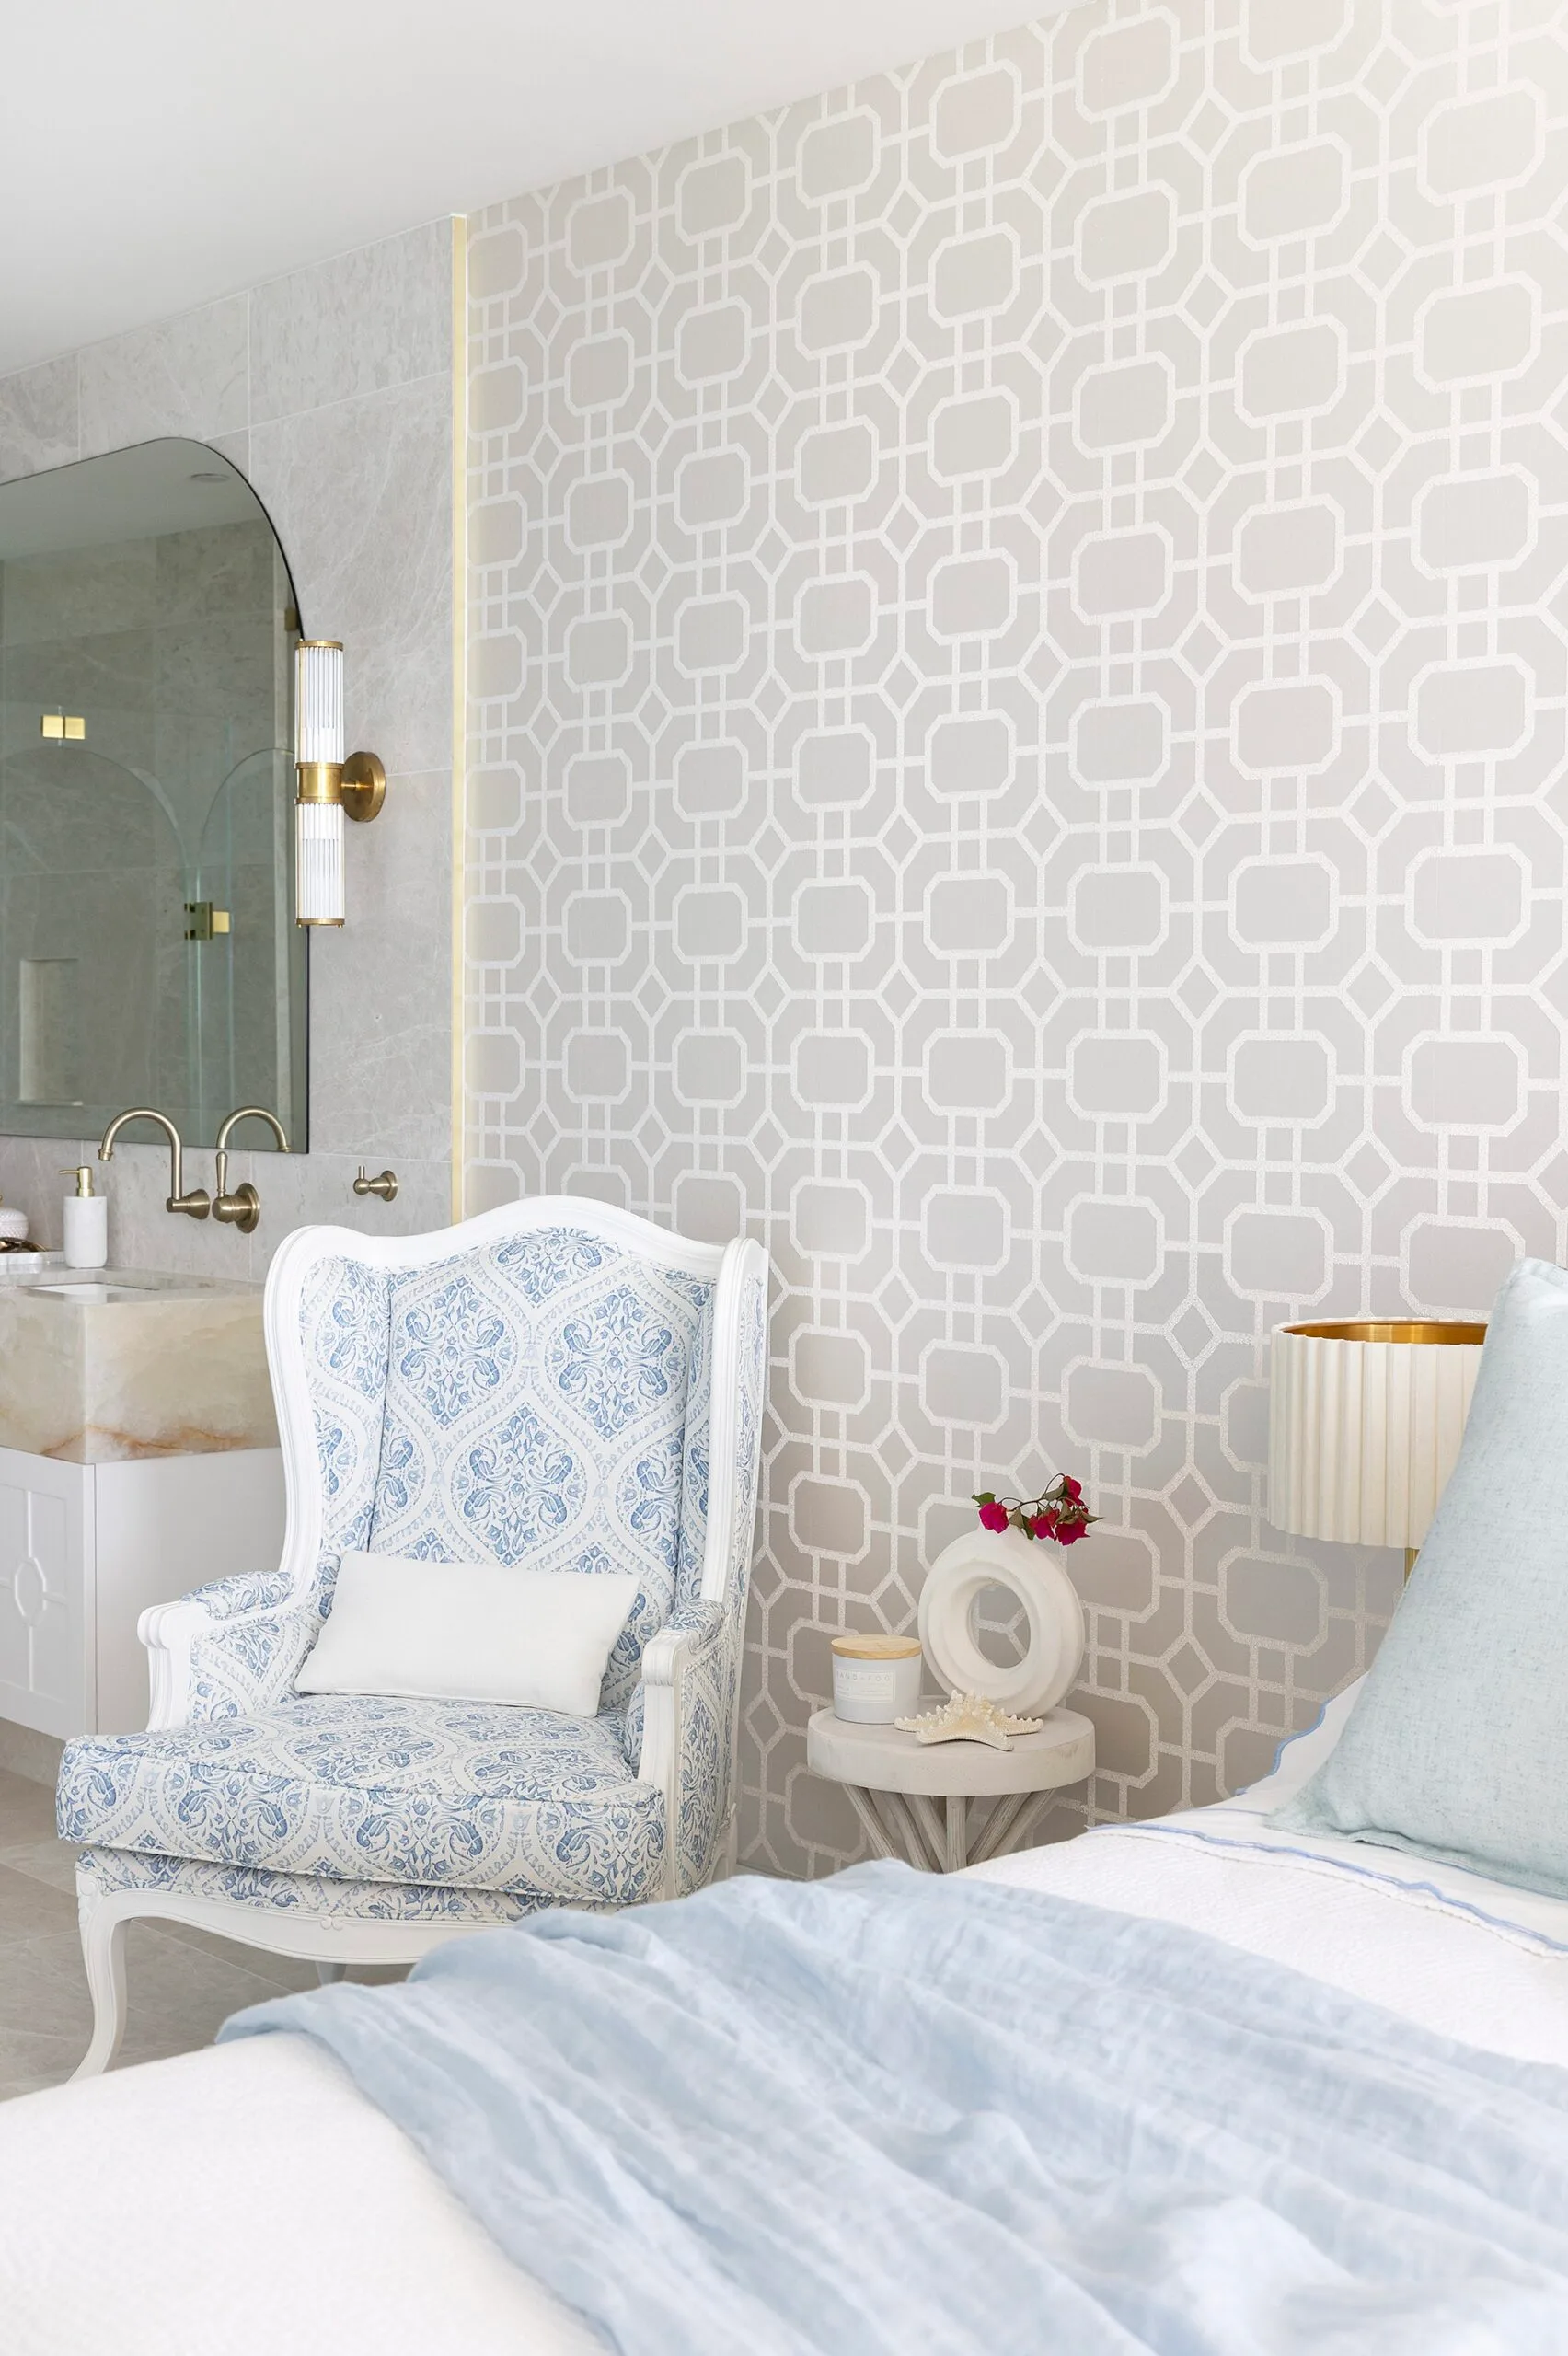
pixel 536 1406
pixel 259 1892
pixel 543 1397
pixel 352 1789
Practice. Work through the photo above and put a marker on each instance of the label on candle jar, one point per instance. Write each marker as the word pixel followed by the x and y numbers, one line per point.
pixel 873 1684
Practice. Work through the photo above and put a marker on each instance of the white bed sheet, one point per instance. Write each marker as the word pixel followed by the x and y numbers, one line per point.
pixel 248 2199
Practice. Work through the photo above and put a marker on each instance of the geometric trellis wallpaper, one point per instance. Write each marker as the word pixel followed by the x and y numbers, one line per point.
pixel 1017 751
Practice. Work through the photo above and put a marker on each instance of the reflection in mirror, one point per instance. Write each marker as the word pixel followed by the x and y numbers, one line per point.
pixel 147 949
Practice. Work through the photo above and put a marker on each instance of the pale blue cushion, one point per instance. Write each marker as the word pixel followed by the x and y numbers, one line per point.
pixel 1458 1747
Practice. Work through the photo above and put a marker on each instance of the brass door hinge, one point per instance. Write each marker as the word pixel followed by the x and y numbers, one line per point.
pixel 204 922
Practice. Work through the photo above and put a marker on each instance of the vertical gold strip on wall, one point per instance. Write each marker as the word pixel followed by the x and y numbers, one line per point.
pixel 459 688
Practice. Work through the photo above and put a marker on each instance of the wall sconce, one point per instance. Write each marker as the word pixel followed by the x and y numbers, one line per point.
pixel 329 785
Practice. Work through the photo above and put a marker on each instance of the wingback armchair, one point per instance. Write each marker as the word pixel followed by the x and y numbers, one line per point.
pixel 558 1384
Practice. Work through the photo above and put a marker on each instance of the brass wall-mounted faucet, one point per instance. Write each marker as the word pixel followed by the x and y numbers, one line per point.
pixel 243 1207
pixel 197 1202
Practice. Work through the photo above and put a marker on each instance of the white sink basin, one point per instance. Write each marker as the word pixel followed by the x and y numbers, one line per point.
pixel 91 1290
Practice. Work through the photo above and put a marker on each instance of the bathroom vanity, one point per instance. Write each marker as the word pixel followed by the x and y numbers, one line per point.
pixel 138 1458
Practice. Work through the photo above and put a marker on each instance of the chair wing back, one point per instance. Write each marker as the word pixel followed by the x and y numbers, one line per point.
pixel 344 1327
pixel 538 1396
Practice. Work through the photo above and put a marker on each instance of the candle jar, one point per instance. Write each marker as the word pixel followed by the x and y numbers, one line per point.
pixel 876 1679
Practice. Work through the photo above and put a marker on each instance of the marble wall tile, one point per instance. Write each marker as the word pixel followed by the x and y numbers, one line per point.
pixel 234 447
pixel 361 323
pixel 357 495
pixel 39 418
pixel 188 375
pixel 319 1188
pixel 31 1180
pixel 383 1086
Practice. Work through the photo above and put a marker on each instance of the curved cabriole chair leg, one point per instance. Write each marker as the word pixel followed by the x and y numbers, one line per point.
pixel 103 1952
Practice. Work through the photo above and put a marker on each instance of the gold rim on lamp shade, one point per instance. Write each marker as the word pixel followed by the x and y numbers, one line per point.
pixel 1366 1415
pixel 1419 1331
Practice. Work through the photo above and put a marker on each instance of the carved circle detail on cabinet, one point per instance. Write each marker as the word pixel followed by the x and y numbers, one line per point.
pixel 30 1589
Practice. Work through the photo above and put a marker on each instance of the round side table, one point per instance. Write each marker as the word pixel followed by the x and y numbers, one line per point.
pixel 895 1781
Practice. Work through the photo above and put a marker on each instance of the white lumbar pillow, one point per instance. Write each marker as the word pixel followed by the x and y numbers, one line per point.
pixel 469 1632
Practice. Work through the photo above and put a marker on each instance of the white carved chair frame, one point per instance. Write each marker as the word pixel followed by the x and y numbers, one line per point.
pixel 169 1630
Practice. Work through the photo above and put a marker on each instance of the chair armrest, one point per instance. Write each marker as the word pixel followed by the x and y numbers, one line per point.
pixel 687 1695
pixel 230 1649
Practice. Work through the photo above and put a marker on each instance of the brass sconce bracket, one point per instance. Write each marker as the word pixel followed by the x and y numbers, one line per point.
pixel 360 784
pixel 364 787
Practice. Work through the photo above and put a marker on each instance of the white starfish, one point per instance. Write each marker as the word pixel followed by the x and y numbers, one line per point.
pixel 969 1717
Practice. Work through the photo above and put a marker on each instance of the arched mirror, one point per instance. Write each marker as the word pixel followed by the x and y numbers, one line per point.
pixel 148 953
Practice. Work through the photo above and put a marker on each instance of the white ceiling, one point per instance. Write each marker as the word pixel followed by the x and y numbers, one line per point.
pixel 158 156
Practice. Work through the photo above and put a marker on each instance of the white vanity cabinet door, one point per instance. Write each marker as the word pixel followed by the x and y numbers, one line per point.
pixel 85 1548
pixel 47 1674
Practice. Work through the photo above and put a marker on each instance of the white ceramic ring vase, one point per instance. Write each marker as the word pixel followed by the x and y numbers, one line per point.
pixel 1028 1569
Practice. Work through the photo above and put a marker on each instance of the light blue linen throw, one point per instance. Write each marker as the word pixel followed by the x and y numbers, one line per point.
pixel 896 2113
pixel 1458 1745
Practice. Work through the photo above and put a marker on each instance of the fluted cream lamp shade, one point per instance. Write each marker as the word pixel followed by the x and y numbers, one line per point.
pixel 330 788
pixel 1364 1424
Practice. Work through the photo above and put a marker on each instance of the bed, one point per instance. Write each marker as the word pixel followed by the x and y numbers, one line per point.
pixel 249 2198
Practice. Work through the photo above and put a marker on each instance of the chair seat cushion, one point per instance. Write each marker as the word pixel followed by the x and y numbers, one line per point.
pixel 480 1796
pixel 111 1871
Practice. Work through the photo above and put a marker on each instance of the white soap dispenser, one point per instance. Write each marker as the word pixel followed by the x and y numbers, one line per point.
pixel 87 1222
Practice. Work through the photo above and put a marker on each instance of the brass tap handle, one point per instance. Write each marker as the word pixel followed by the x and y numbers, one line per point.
pixel 385 1185
pixel 243 1207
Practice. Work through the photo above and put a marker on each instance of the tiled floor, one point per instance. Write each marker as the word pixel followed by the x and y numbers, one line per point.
pixel 183 1983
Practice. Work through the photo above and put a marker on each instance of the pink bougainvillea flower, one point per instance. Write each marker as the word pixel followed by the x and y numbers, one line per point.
pixel 1045 1525
pixel 1069 1532
pixel 1071 1488
pixel 993 1516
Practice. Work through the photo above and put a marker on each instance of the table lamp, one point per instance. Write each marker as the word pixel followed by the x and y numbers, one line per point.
pixel 1364 1423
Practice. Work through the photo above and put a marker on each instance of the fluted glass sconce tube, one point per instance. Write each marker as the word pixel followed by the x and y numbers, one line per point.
pixel 320 894
pixel 330 789
pixel 319 702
